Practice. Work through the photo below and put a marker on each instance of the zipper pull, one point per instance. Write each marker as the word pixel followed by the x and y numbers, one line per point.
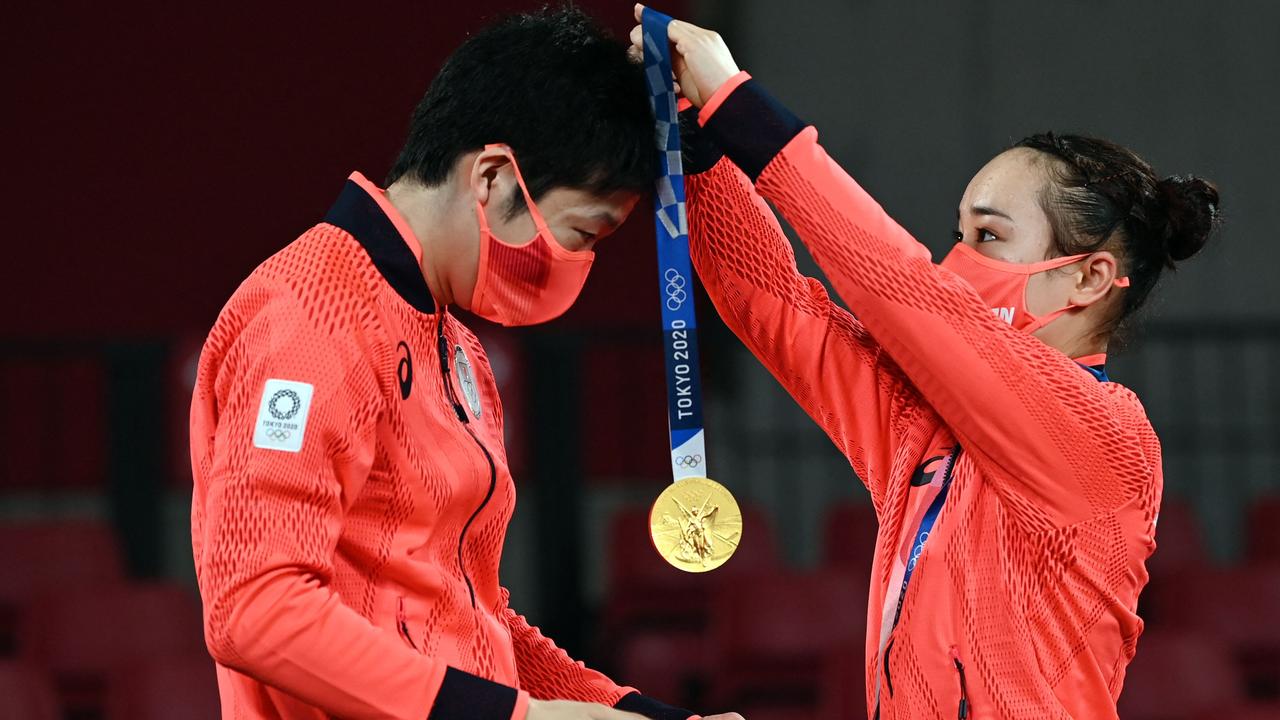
pixel 402 622
pixel 442 344
pixel 963 711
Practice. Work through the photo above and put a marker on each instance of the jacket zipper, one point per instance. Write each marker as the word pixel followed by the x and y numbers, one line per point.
pixel 402 623
pixel 963 711
pixel 955 656
pixel 442 343
pixel 888 681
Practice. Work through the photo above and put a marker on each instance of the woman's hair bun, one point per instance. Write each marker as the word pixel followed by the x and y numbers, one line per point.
pixel 1191 214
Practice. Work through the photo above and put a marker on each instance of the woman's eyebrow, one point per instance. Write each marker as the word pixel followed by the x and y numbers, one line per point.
pixel 984 210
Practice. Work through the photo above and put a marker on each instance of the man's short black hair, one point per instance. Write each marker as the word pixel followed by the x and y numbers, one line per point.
pixel 553 86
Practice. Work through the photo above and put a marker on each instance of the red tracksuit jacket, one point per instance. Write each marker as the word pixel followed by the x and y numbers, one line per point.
pixel 1022 604
pixel 352 495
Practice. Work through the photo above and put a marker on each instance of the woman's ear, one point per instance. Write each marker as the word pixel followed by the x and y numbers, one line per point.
pixel 1095 276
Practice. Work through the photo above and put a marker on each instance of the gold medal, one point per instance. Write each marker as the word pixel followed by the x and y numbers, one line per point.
pixel 696 524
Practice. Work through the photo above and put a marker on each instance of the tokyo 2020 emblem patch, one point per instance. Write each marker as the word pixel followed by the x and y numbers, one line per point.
pixel 282 415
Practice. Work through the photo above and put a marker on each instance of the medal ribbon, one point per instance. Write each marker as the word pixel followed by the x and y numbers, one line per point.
pixel 675 274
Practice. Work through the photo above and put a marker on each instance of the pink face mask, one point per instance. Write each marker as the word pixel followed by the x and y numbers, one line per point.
pixel 530 283
pixel 1003 285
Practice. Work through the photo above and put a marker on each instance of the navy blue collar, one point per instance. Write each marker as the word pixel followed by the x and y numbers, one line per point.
pixel 356 212
pixel 1098 371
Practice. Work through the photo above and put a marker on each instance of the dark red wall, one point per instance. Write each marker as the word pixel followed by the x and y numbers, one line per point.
pixel 154 157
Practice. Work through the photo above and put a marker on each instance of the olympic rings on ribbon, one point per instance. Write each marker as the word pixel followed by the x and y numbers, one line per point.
pixel 675 289
pixel 692 461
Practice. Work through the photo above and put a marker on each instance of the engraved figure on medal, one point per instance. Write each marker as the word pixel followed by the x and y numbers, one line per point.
pixel 696 525
pixel 696 537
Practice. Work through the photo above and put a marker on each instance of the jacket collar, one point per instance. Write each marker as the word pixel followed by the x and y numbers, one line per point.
pixel 362 209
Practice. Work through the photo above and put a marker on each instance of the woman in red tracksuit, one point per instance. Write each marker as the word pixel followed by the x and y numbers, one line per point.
pixel 1016 486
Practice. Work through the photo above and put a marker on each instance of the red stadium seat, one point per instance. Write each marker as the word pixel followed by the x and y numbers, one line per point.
pixel 665 610
pixel 849 536
pixel 637 575
pixel 774 634
pixel 39 557
pixel 1178 675
pixel 42 557
pixel 84 634
pixel 1180 561
pixel 1239 606
pixel 26 694
pixel 1263 539
pixel 1180 544
pixel 1246 711
pixel 180 688
pixel 671 665
pixel 844 685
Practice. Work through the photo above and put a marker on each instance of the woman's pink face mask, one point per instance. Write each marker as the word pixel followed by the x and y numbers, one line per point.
pixel 1003 285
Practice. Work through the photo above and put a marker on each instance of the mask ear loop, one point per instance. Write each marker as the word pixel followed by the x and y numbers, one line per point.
pixel 538 221
pixel 548 237
pixel 1054 264
pixel 1120 282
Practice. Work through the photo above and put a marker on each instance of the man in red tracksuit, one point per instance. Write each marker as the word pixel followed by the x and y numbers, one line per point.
pixel 352 491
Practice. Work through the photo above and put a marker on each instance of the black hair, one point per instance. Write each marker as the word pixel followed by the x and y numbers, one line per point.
pixel 1101 195
pixel 555 88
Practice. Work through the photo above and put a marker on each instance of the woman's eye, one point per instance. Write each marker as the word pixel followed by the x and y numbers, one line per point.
pixel 986 236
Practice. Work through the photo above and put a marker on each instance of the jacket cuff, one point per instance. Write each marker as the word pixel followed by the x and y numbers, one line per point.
pixel 750 126
pixel 521 710
pixel 463 695
pixel 699 153
pixel 717 98
pixel 650 708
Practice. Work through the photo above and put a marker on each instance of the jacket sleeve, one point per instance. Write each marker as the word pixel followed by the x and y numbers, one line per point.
pixel 547 672
pixel 272 522
pixel 1047 434
pixel 817 350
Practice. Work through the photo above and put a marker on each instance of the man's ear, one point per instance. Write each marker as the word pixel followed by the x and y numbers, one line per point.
pixel 1094 278
pixel 490 174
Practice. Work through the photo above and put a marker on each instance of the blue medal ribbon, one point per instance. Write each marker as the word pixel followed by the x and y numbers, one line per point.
pixel 926 528
pixel 675 271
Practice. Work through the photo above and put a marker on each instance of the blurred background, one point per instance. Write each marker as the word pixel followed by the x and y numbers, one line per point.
pixel 155 155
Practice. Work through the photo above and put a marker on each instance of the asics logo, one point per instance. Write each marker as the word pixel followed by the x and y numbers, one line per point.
pixel 675 289
pixel 924 474
pixel 404 371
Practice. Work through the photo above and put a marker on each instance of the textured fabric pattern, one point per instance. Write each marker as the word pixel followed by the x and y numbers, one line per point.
pixel 549 673
pixel 337 580
pixel 1033 570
